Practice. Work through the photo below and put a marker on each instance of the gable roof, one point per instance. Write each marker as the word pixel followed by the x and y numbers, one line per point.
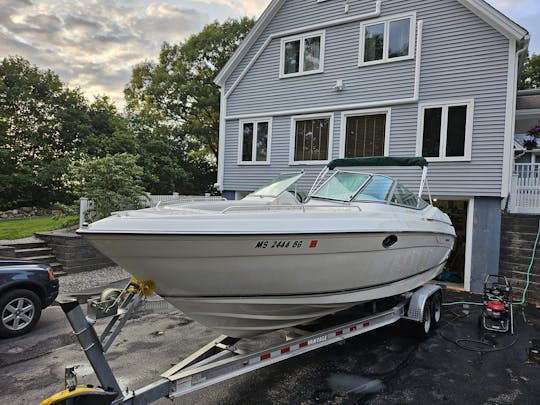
pixel 486 12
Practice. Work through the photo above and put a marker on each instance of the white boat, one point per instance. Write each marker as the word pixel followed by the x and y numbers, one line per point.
pixel 269 261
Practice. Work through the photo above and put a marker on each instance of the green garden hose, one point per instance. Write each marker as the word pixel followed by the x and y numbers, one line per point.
pixel 529 271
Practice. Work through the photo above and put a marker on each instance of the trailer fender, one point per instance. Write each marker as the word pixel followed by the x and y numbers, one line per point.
pixel 418 301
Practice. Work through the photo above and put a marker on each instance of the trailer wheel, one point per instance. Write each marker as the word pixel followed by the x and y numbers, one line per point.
pixel 423 328
pixel 435 302
pixel 110 294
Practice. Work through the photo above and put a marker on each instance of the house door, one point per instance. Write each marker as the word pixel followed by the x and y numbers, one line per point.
pixel 454 271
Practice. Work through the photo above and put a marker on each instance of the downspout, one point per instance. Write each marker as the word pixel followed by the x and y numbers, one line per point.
pixel 512 157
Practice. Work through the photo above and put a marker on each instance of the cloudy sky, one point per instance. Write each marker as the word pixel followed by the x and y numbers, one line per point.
pixel 93 44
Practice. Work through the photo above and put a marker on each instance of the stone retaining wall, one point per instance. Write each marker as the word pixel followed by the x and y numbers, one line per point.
pixel 518 234
pixel 74 252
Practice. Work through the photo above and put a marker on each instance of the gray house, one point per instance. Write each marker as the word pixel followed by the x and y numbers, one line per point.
pixel 317 80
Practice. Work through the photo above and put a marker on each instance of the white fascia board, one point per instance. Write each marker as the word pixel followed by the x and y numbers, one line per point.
pixel 249 41
pixel 496 19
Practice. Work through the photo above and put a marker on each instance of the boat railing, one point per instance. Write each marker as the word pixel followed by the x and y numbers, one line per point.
pixel 303 208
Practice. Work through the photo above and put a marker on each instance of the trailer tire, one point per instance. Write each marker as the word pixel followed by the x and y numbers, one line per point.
pixel 423 328
pixel 435 302
pixel 110 294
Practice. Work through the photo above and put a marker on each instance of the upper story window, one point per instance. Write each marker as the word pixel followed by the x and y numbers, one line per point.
pixel 387 39
pixel 255 142
pixel 311 140
pixel 302 54
pixel 445 131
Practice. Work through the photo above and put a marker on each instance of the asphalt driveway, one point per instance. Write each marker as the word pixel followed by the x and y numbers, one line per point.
pixel 387 366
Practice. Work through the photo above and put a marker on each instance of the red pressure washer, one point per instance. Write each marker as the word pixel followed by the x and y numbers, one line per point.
pixel 498 314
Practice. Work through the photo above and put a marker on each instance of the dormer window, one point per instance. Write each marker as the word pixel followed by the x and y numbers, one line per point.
pixel 387 40
pixel 302 54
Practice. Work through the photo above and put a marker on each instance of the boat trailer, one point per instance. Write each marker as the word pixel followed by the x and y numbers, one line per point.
pixel 220 359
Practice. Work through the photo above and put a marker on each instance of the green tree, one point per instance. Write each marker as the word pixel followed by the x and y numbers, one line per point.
pixel 530 75
pixel 42 125
pixel 109 131
pixel 177 98
pixel 113 183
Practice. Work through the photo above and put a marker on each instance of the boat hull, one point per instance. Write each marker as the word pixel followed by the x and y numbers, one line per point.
pixel 243 285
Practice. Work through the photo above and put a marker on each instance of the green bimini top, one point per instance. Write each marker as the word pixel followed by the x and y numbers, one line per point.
pixel 378 161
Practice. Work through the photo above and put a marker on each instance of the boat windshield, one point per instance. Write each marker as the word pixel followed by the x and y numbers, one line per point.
pixel 342 186
pixel 277 186
pixel 377 189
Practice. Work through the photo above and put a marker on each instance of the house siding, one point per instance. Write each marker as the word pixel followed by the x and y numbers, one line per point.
pixel 462 58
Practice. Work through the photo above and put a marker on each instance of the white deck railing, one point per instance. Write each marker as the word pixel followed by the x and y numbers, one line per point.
pixel 525 191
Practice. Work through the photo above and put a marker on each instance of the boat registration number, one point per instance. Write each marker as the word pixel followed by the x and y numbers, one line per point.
pixel 279 244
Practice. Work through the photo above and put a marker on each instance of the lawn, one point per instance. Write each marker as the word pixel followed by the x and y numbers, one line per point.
pixel 22 228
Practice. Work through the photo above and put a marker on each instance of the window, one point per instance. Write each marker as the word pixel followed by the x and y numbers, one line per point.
pixel 311 140
pixel 387 40
pixel 445 131
pixel 365 133
pixel 302 54
pixel 254 142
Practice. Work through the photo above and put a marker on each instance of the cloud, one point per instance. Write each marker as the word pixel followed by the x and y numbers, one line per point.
pixel 93 44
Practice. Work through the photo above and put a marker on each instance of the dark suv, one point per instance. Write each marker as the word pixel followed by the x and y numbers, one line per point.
pixel 26 287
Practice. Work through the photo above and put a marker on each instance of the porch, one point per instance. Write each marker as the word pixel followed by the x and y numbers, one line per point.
pixel 525 189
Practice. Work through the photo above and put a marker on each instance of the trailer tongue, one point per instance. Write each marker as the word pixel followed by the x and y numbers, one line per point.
pixel 220 359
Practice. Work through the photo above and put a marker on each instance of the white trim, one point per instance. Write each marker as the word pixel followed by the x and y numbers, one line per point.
pixel 386 21
pixel 495 18
pixel 253 161
pixel 292 141
pixel 445 105
pixel 468 245
pixel 510 116
pixel 248 42
pixel 302 38
pixel 221 143
pixel 357 113
pixel 220 80
pixel 359 106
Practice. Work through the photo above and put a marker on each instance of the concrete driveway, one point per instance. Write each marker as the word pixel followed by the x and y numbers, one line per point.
pixel 387 366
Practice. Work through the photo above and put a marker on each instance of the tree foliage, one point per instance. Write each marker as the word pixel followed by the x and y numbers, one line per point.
pixel 530 75
pixel 42 125
pixel 113 183
pixel 177 96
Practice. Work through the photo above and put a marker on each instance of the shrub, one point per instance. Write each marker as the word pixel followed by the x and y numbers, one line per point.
pixel 113 183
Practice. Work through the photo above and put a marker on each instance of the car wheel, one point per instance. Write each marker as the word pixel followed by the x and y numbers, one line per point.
pixel 19 312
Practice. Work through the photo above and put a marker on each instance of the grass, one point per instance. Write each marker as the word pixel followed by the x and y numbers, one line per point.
pixel 23 228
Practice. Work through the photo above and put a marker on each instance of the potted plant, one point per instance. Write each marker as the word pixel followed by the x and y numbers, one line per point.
pixel 534 132
pixel 530 143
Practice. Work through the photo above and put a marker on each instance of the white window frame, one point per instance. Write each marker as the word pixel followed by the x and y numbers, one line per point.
pixel 301 38
pixel 358 113
pixel 292 142
pixel 253 160
pixel 387 21
pixel 445 105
